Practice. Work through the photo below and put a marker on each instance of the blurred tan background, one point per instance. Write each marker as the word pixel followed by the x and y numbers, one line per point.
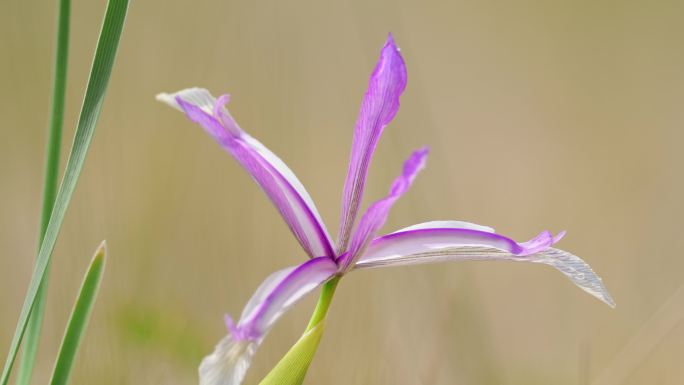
pixel 559 115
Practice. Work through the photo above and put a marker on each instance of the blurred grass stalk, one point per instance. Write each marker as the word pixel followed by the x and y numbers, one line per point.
pixel 53 150
pixel 100 73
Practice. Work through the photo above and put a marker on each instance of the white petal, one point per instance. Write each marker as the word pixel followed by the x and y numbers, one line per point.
pixel 228 363
pixel 197 96
pixel 448 225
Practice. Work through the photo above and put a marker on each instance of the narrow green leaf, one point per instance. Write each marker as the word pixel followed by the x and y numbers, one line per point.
pixel 50 184
pixel 101 70
pixel 79 318
pixel 292 368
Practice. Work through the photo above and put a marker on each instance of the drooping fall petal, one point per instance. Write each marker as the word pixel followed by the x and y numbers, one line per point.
pixel 229 362
pixel 376 215
pixel 280 184
pixel 379 106
pixel 456 241
pixel 232 356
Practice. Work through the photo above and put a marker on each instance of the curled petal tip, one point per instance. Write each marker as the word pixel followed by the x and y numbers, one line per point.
pixel 416 161
pixel 536 244
pixel 229 321
pixel 559 236
pixel 167 99
pixel 222 100
pixel 222 115
pixel 232 327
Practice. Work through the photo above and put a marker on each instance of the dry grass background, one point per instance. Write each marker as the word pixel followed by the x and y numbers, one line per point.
pixel 559 115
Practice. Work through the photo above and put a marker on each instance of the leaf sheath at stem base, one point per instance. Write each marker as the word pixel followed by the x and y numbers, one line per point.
pixel 292 368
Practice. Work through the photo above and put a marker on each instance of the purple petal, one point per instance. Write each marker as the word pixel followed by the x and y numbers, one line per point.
pixel 377 213
pixel 379 105
pixel 455 241
pixel 280 291
pixel 275 178
pixel 228 363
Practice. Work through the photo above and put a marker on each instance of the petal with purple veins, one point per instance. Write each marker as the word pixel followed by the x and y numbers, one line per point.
pixel 279 182
pixel 379 106
pixel 425 243
pixel 376 215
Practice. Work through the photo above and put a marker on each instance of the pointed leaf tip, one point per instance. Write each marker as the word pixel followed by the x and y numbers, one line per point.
pixel 78 321
pixel 101 251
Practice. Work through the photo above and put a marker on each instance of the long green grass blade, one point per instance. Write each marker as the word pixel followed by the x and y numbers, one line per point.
pixel 101 70
pixel 292 368
pixel 79 318
pixel 50 184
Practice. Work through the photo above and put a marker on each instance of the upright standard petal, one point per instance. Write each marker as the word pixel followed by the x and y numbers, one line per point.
pixel 231 358
pixel 379 105
pixel 457 241
pixel 280 184
pixel 377 213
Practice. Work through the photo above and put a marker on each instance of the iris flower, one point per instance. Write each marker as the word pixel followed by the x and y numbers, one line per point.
pixel 358 245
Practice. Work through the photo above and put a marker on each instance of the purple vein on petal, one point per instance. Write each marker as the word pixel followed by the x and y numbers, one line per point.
pixel 270 172
pixel 379 106
pixel 426 243
pixel 376 215
pixel 282 291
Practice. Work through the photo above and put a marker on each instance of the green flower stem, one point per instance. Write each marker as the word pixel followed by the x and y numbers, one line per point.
pixel 50 184
pixel 292 368
pixel 323 303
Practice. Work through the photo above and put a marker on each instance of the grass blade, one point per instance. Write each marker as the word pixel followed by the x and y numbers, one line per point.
pixel 101 70
pixel 49 185
pixel 79 318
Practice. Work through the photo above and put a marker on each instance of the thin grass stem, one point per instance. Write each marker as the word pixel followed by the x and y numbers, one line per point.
pixel 50 184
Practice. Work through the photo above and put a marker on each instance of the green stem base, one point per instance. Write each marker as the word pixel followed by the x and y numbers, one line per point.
pixel 323 303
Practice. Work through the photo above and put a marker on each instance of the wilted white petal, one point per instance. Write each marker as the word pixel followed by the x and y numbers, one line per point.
pixel 228 363
pixel 579 272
